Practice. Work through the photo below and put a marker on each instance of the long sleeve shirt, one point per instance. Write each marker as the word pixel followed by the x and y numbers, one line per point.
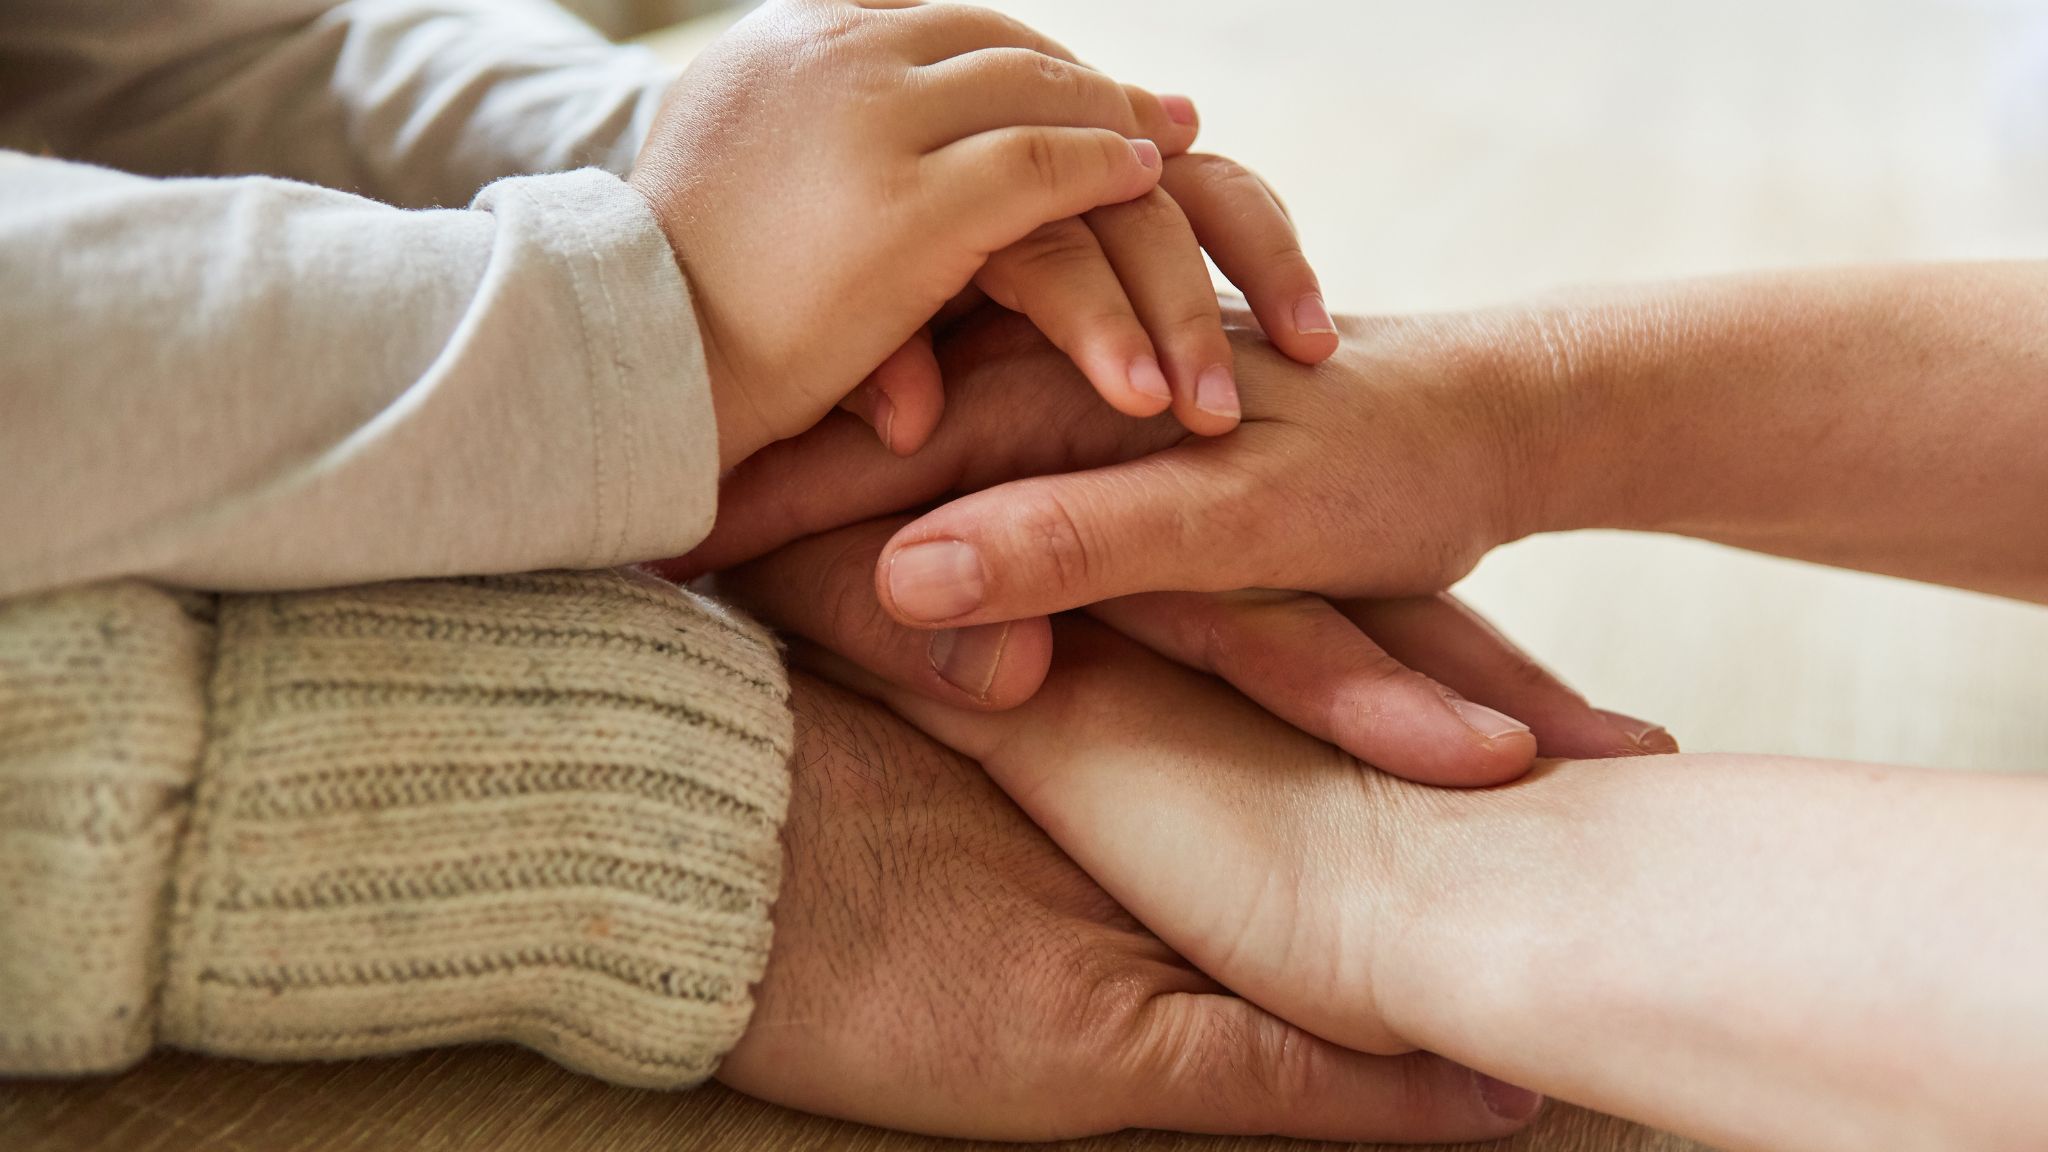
pixel 240 350
pixel 296 295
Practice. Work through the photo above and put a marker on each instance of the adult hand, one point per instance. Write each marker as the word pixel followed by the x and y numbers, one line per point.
pixel 1418 687
pixel 1269 860
pixel 940 965
pixel 1387 471
pixel 1848 950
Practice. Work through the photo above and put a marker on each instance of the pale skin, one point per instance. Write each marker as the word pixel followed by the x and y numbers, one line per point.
pixel 832 174
pixel 1758 951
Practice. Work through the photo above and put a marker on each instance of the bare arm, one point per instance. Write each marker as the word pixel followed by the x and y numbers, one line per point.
pixel 1888 419
pixel 1758 952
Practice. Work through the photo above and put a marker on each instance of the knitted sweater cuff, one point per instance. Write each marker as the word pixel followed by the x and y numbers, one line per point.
pixel 541 809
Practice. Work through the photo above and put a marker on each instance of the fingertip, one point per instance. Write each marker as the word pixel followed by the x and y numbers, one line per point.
pixel 1308 347
pixel 1511 1103
pixel 993 667
pixel 1212 406
pixel 928 583
pixel 1136 387
pixel 1641 737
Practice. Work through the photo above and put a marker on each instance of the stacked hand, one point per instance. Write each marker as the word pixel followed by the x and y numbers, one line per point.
pixel 1415 685
pixel 941 965
pixel 832 174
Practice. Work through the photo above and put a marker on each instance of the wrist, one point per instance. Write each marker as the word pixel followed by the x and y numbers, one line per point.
pixel 1569 448
pixel 1463 943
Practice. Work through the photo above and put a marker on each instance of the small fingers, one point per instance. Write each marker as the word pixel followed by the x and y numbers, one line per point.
pixel 1159 262
pixel 1249 235
pixel 1440 637
pixel 994 88
pixel 822 588
pixel 992 189
pixel 1059 278
pixel 1217 1064
pixel 903 398
pixel 930 33
pixel 1301 659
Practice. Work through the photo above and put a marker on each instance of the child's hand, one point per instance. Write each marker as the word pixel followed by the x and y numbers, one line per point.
pixel 831 173
pixel 1122 290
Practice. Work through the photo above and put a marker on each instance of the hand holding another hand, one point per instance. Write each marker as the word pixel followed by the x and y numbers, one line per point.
pixel 940 965
pixel 1417 686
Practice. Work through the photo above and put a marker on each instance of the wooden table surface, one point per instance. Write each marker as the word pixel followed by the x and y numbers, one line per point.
pixel 1438 155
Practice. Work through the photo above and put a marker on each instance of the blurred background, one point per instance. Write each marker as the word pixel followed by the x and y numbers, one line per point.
pixel 1447 154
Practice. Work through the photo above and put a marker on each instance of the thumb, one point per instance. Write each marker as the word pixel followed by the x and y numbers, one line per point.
pixel 1173 521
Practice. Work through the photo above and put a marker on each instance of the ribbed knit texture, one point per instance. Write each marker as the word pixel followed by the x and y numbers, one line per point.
pixel 541 809
pixel 102 716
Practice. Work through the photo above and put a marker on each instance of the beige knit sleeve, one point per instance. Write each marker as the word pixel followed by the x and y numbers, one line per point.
pixel 541 809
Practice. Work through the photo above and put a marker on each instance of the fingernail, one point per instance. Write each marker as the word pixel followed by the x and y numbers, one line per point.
pixel 967 658
pixel 1651 738
pixel 1490 725
pixel 885 420
pixel 1148 153
pixel 1505 1100
pixel 1216 392
pixel 1312 317
pixel 1148 380
pixel 1179 109
pixel 935 581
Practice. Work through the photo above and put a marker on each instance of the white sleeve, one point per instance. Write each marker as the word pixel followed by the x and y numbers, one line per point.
pixel 413 102
pixel 254 384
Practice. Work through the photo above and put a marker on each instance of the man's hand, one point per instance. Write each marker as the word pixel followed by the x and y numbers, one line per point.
pixel 939 965
pixel 1418 687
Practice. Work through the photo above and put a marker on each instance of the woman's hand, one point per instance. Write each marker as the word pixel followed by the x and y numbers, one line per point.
pixel 1387 470
pixel 1850 951
pixel 1419 687
pixel 939 965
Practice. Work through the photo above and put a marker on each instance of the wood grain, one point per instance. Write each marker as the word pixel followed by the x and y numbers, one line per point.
pixel 1440 155
pixel 508 1100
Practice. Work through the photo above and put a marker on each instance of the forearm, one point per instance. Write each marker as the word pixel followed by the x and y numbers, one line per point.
pixel 1888 419
pixel 1760 952
pixel 244 384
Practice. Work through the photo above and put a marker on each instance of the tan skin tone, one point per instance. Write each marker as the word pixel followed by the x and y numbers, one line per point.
pixel 1854 954
pixel 1759 952
pixel 940 965
pixel 1883 419
pixel 1371 676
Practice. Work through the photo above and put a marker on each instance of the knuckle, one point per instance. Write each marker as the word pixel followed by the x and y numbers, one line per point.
pixel 1054 533
pixel 1155 214
pixel 1038 160
pixel 1060 244
pixel 1199 318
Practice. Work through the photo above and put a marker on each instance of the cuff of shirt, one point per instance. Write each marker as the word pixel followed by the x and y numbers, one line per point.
pixel 655 452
